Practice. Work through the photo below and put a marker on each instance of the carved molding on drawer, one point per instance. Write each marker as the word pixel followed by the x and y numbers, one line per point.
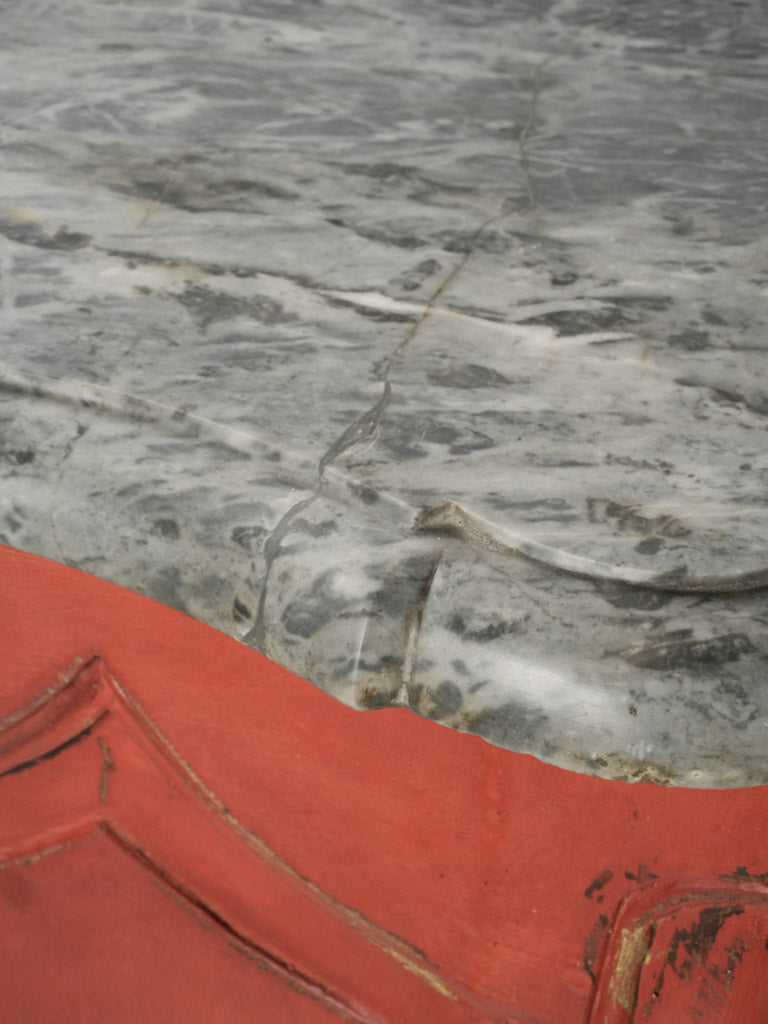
pixel 84 757
pixel 687 949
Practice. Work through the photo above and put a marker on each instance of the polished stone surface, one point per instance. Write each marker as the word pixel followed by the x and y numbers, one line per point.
pixel 422 346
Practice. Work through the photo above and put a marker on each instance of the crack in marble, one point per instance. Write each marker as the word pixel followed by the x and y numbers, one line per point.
pixel 216 269
pixel 522 145
pixel 413 620
pixel 362 429
pixel 81 431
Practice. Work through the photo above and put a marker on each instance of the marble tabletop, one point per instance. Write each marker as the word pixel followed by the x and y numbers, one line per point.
pixel 421 346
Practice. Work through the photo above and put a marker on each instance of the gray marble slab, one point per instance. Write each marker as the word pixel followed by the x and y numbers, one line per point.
pixel 420 346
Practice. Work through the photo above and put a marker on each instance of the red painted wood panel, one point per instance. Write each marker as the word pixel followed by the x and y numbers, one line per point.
pixel 373 865
pixel 96 937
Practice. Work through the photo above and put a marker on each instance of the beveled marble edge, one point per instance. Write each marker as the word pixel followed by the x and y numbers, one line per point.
pixel 353 591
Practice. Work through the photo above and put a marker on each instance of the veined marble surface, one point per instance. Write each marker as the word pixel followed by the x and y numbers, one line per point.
pixel 420 345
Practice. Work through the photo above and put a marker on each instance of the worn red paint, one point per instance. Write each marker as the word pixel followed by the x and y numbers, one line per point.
pixel 687 950
pixel 189 832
